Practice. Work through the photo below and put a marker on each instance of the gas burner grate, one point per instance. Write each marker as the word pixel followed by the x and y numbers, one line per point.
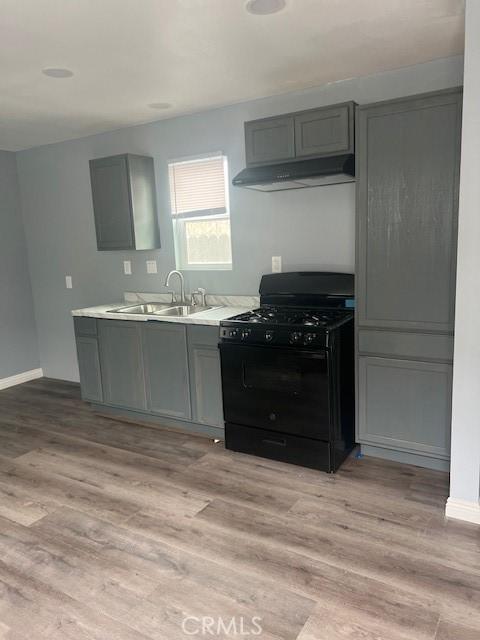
pixel 310 318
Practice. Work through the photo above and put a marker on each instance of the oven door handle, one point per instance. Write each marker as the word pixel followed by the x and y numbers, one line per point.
pixel 278 443
pixel 244 384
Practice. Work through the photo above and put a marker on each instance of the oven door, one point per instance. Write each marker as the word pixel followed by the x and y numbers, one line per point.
pixel 279 389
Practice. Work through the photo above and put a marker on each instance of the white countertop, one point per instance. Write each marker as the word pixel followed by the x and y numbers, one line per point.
pixel 211 317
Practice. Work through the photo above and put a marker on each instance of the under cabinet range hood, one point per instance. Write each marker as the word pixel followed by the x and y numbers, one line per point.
pixel 298 174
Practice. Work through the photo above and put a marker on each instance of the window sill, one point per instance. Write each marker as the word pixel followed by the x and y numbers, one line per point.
pixel 205 267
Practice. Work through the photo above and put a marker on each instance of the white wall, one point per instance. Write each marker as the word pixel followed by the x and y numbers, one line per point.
pixel 465 455
pixel 310 228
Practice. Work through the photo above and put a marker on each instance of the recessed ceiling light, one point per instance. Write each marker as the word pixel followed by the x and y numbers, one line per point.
pixel 160 105
pixel 52 72
pixel 264 7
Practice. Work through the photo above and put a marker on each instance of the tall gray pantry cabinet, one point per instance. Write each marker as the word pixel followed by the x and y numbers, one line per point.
pixel 408 156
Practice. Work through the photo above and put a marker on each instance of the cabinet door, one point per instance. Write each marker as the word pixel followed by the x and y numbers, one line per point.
pixel 205 376
pixel 269 140
pixel 166 369
pixel 89 367
pixel 112 203
pixel 405 404
pixel 122 364
pixel 407 201
pixel 324 131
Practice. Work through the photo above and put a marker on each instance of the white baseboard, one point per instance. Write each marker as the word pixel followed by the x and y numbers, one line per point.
pixel 26 376
pixel 463 510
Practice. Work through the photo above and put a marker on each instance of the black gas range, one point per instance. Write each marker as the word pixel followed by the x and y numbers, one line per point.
pixel 288 371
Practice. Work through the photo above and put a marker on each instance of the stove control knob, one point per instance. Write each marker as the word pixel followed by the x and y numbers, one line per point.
pixel 268 336
pixel 295 337
pixel 246 334
pixel 310 337
pixel 233 333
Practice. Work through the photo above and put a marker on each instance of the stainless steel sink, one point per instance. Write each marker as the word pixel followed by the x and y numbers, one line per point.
pixel 157 309
pixel 148 308
pixel 178 311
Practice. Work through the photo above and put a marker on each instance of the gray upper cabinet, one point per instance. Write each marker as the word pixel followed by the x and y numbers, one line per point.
pixel 297 136
pixel 124 202
pixel 166 369
pixel 408 154
pixel 121 363
pixel 325 131
pixel 269 140
pixel 205 375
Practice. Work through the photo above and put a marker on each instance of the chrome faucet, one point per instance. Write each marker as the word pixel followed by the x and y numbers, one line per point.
pixel 201 292
pixel 182 285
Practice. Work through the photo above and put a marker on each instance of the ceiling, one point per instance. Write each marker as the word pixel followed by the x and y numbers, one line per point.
pixel 194 54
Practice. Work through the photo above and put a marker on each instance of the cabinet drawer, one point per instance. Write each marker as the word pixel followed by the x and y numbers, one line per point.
pixel 85 326
pixel 204 335
pixel 405 405
pixel 269 140
pixel 418 346
pixel 324 131
pixel 278 446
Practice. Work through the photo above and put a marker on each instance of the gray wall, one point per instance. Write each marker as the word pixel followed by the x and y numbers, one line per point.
pixel 311 228
pixel 18 340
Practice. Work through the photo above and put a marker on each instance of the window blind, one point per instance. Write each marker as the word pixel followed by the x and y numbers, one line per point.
pixel 197 187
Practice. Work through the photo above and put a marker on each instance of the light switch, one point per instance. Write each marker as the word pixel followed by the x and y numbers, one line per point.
pixel 276 264
pixel 127 267
pixel 151 266
pixel 68 282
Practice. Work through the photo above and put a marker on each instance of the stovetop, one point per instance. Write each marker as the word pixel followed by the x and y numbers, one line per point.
pixel 291 316
pixel 284 326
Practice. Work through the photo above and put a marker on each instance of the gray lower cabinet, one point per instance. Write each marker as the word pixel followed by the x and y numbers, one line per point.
pixel 405 404
pixel 166 369
pixel 408 156
pixel 121 362
pixel 88 359
pixel 161 369
pixel 89 368
pixel 205 375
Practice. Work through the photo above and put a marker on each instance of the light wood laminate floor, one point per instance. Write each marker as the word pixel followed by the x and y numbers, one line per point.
pixel 117 531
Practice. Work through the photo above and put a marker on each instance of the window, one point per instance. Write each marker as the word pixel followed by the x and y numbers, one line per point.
pixel 200 213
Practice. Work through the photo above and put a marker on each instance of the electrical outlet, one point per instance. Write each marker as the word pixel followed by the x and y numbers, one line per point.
pixel 152 266
pixel 276 264
pixel 68 282
pixel 127 267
